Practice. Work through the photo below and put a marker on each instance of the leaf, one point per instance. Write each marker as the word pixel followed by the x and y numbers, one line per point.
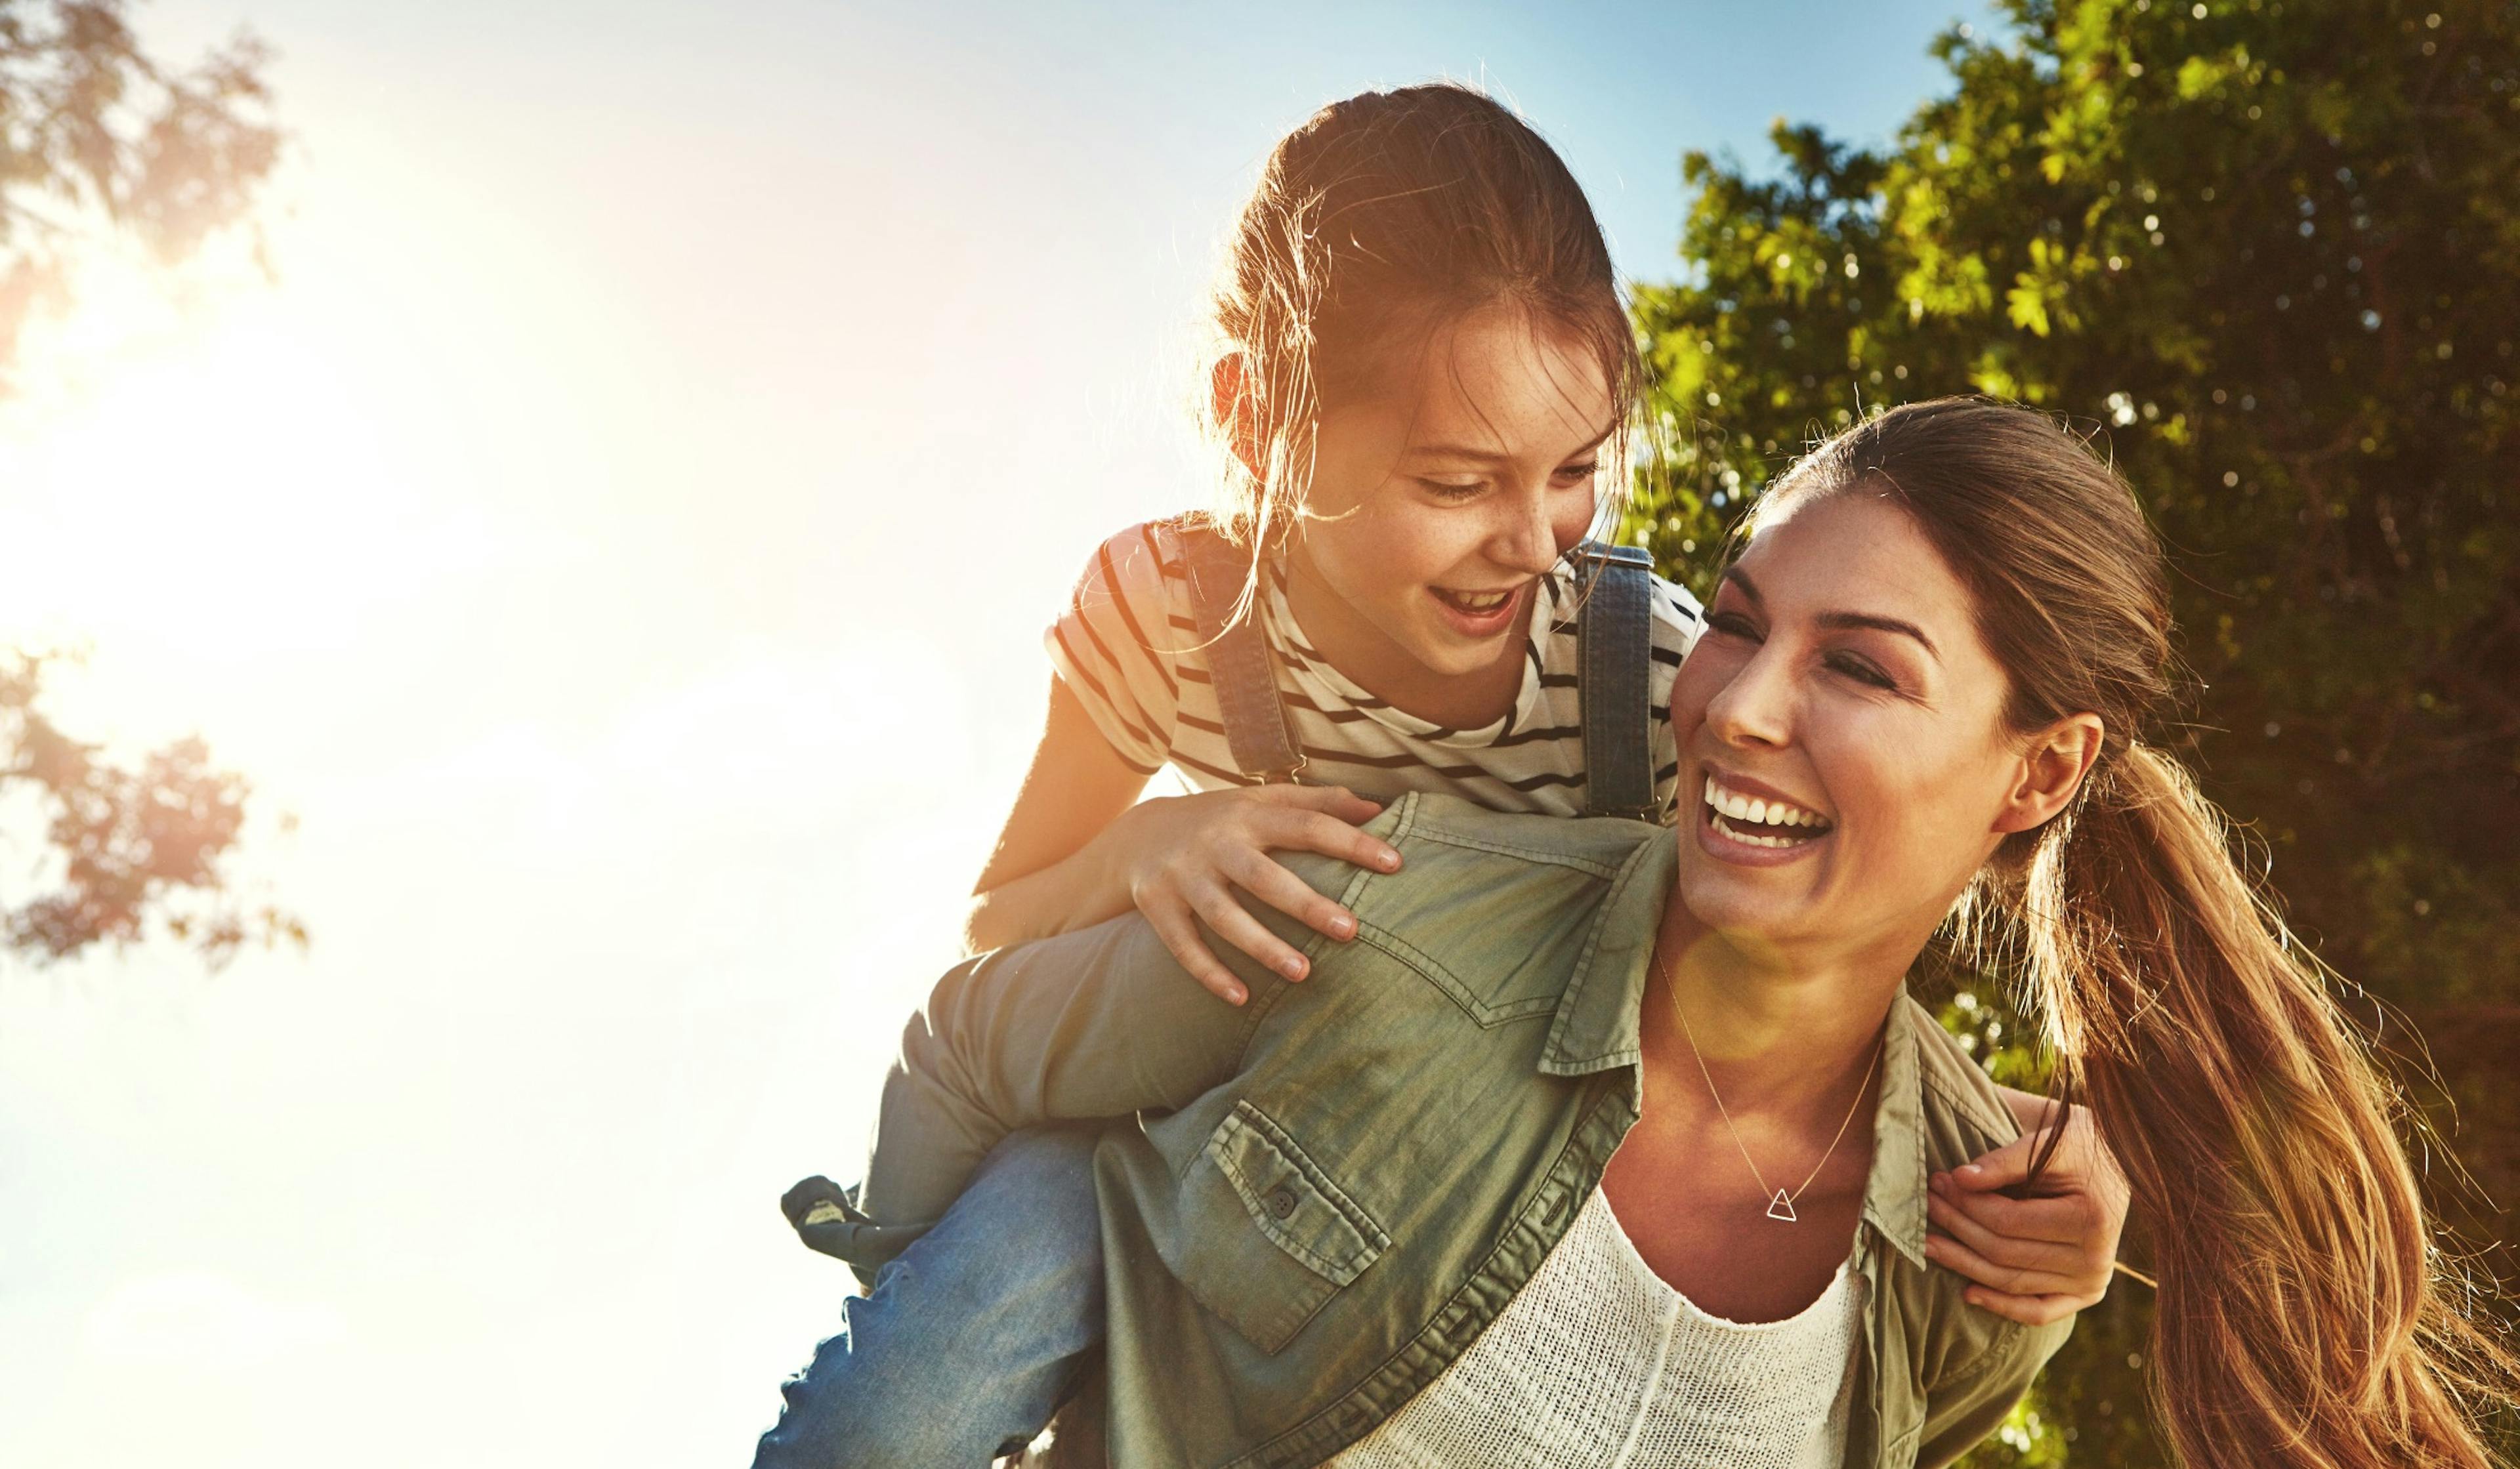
pixel 2027 305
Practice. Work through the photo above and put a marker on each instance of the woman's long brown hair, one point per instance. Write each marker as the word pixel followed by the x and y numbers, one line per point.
pixel 2304 1315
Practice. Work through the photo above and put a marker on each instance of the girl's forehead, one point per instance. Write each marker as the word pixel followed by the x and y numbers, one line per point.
pixel 1497 378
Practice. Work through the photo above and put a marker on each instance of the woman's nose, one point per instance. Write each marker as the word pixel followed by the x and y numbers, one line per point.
pixel 1755 706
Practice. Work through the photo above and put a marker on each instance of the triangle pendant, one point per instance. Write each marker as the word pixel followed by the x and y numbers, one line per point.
pixel 1782 1208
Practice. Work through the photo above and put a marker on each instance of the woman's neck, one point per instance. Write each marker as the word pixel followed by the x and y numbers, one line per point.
pixel 1778 1030
pixel 1773 1128
pixel 1374 662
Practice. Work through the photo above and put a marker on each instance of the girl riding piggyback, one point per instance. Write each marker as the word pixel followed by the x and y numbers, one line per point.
pixel 1426 376
pixel 1428 371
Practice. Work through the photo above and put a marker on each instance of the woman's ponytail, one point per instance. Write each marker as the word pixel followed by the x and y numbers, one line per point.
pixel 2302 1319
pixel 2298 1322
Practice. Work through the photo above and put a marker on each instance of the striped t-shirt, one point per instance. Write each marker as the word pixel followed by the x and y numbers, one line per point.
pixel 1129 649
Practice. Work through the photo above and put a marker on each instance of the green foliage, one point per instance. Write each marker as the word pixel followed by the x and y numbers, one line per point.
pixel 2269 252
pixel 132 848
pixel 101 143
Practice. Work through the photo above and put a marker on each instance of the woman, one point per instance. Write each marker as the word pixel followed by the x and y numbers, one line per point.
pixel 1556 1162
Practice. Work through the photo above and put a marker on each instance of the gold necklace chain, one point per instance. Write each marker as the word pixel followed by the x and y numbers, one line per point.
pixel 1782 1206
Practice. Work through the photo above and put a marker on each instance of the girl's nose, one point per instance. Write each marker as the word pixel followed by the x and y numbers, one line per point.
pixel 1527 539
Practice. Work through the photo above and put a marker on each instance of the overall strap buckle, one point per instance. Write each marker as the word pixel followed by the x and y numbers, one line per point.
pixel 1246 675
pixel 1615 636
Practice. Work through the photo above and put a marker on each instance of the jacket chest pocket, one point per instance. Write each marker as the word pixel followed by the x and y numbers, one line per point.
pixel 1266 1236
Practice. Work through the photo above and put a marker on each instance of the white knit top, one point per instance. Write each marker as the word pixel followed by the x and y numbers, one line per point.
pixel 1599 1361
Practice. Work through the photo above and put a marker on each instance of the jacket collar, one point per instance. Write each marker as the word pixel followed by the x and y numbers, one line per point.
pixel 1596 1030
pixel 1894 1194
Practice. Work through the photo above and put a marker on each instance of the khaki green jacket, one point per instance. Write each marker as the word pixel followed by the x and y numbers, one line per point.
pixel 1335 1187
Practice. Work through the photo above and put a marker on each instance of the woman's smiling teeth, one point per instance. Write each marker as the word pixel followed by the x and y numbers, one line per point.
pixel 1761 823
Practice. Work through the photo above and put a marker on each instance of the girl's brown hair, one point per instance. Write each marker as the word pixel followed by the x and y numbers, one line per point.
pixel 2304 1317
pixel 1379 221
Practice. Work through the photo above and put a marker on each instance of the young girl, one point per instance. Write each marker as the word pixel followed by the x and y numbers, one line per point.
pixel 1426 371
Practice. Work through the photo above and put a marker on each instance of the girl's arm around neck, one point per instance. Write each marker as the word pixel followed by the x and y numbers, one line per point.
pixel 1076 851
pixel 1097 1023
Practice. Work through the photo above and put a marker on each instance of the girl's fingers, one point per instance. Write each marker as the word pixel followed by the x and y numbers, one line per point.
pixel 1224 912
pixel 2079 1164
pixel 1330 800
pixel 1291 895
pixel 1312 832
pixel 2029 1311
pixel 1171 921
pixel 2060 1262
pixel 2012 1251
pixel 2009 1165
pixel 1955 1256
pixel 2065 1221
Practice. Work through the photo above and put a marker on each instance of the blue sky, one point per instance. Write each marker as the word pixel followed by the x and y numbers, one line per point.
pixel 620 536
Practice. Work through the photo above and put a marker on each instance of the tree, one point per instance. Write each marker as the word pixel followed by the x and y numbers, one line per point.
pixel 132 848
pixel 2269 252
pixel 101 147
pixel 96 140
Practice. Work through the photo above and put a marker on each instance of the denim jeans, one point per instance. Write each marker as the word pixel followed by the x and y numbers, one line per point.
pixel 971 1337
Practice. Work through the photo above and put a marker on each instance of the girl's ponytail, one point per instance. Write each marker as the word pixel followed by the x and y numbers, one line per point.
pixel 2301 1321
pixel 2298 1320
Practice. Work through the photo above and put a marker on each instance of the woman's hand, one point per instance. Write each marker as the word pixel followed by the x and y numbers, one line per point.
pixel 2039 1258
pixel 1181 858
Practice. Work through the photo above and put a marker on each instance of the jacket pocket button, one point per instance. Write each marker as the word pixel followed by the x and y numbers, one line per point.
pixel 1282 1202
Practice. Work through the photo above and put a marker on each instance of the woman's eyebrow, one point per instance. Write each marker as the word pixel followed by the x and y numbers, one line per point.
pixel 1873 620
pixel 1881 624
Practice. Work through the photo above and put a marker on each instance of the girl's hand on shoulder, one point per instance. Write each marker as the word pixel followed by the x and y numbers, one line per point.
pixel 2040 1251
pixel 1183 858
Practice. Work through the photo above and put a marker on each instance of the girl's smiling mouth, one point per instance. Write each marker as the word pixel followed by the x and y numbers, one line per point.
pixel 1760 828
pixel 1479 613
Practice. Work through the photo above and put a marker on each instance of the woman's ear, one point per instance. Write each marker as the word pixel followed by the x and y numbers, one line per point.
pixel 1234 400
pixel 2053 763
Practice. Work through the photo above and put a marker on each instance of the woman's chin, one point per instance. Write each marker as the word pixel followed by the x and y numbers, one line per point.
pixel 1753 903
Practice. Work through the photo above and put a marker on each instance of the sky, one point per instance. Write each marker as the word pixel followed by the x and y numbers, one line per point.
pixel 618 534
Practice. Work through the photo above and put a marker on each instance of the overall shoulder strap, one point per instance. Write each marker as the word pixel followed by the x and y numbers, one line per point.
pixel 1614 634
pixel 1238 658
